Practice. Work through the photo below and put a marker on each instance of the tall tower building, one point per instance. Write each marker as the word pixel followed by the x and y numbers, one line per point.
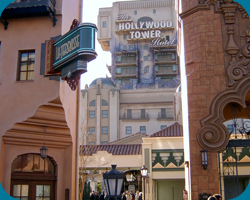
pixel 141 93
pixel 141 36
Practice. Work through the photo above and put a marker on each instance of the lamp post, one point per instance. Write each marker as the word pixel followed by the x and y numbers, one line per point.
pixel 113 181
pixel 144 173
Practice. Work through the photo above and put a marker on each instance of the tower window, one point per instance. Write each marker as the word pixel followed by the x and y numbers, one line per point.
pixel 104 24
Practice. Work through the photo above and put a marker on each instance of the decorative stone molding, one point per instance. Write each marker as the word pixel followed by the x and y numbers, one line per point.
pixel 232 48
pixel 243 11
pixel 229 9
pixel 237 69
pixel 202 5
pixel 213 135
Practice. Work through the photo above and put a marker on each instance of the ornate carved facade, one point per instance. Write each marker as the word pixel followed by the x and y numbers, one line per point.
pixel 216 39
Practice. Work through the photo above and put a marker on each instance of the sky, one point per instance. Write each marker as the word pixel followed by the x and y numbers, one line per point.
pixel 96 68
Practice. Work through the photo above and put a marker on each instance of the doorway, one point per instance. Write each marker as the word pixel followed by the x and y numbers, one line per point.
pixel 33 178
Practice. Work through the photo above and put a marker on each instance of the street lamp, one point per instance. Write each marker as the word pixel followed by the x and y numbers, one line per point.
pixel 144 173
pixel 113 181
pixel 43 150
pixel 204 161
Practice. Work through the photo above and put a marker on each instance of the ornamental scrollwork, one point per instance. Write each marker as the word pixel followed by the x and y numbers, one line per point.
pixel 213 137
pixel 237 69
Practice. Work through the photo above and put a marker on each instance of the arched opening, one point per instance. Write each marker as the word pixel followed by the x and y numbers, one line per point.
pixel 235 159
pixel 33 177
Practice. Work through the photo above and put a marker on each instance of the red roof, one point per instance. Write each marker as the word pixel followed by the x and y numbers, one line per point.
pixel 121 149
pixel 175 130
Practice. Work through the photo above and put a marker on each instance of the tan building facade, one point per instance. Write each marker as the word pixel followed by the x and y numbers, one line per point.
pixel 109 113
pixel 36 109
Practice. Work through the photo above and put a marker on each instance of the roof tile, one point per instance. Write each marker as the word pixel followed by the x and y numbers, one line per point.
pixel 175 130
pixel 121 149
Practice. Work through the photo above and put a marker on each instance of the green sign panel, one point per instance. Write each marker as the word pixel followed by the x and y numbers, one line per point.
pixel 74 49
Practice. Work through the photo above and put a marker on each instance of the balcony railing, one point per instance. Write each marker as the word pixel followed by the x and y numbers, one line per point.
pixel 166 115
pixel 135 116
pixel 126 72
pixel 166 70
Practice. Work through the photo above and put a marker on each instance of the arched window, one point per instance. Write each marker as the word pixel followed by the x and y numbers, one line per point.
pixel 144 21
pixel 104 103
pixel 33 177
pixel 92 103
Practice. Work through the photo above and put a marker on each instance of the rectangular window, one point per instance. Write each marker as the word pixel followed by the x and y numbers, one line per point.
pixel 146 81
pixel 143 129
pixel 163 113
pixel 124 47
pixel 146 69
pixel 92 114
pixel 118 70
pixel 167 37
pixel 135 12
pixel 104 142
pixel 104 24
pixel 118 58
pixel 105 130
pixel 174 68
pixel 128 129
pixel 145 58
pixel 156 68
pixel 91 143
pixel 129 113
pixel 131 47
pixel 154 11
pixel 26 65
pixel 91 130
pixel 21 191
pixel 145 46
pixel 143 114
pixel 140 47
pixel 163 126
pixel 104 113
pixel 124 37
pixel 173 56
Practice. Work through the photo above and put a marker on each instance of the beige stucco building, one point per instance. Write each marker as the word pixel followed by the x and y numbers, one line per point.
pixel 36 109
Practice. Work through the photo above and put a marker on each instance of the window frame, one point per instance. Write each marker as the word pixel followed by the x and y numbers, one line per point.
pixel 18 78
pixel 105 113
pixel 128 130
pixel 105 132
pixel 104 102
pixel 92 116
pixel 91 132
pixel 92 103
pixel 163 126
pixel 141 129
pixel 104 24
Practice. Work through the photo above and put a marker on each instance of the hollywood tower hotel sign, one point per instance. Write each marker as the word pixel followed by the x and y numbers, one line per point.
pixel 145 30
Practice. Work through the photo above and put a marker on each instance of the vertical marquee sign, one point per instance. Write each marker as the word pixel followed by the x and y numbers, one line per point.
pixel 72 52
